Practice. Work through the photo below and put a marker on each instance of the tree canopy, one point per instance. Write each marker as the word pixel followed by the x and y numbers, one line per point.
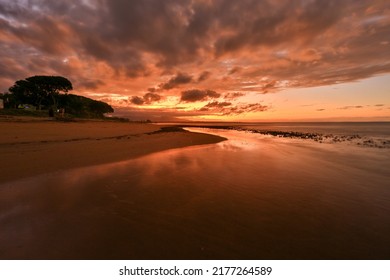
pixel 51 92
pixel 81 106
pixel 40 90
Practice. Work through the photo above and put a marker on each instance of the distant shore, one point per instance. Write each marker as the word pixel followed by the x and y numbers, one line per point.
pixel 33 146
pixel 315 136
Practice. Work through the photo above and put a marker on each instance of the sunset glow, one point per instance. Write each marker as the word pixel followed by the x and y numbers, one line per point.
pixel 208 60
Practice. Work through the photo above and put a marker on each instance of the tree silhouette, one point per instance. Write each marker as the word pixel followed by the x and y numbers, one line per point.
pixel 84 107
pixel 40 90
pixel 50 92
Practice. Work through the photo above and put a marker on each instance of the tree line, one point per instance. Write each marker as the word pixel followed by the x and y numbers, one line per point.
pixel 51 93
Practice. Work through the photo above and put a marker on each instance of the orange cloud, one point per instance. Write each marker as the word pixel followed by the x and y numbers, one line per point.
pixel 195 95
pixel 171 47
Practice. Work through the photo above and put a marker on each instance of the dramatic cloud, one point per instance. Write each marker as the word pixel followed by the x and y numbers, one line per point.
pixel 295 36
pixel 250 46
pixel 204 76
pixel 195 95
pixel 137 100
pixel 147 99
pixel 151 97
pixel 228 109
pixel 179 79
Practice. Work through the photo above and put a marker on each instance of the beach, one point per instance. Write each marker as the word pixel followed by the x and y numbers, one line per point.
pixel 30 146
pixel 195 138
pixel 109 190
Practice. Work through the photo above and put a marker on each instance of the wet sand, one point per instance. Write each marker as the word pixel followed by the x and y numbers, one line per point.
pixel 30 147
pixel 250 197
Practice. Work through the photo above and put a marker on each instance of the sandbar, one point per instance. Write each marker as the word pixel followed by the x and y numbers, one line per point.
pixel 30 147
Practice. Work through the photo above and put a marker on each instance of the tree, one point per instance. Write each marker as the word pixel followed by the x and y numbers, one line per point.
pixel 99 108
pixel 81 106
pixel 40 90
pixel 46 91
pixel 23 92
pixel 9 100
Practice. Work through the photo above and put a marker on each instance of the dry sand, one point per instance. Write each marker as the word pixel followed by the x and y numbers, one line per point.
pixel 30 147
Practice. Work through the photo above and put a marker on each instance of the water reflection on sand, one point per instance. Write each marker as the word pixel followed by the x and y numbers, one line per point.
pixel 251 197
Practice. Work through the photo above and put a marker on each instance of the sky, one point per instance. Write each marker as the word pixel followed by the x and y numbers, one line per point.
pixel 225 60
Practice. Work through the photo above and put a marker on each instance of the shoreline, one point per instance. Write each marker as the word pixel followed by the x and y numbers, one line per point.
pixel 32 148
pixel 355 139
pixel 258 197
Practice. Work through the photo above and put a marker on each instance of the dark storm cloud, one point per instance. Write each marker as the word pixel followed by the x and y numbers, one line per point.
pixel 151 97
pixel 194 95
pixel 204 76
pixel 155 26
pixel 274 22
pixel 134 38
pixel 147 99
pixel 179 79
pixel 137 100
